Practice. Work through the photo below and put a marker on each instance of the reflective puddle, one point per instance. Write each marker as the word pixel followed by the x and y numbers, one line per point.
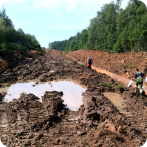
pixel 51 71
pixel 117 100
pixel 72 92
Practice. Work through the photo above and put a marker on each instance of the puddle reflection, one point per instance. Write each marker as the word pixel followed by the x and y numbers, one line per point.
pixel 117 100
pixel 72 92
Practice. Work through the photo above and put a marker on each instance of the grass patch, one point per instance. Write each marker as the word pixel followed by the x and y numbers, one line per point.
pixel 106 84
pixel 119 86
pixel 84 65
pixel 61 54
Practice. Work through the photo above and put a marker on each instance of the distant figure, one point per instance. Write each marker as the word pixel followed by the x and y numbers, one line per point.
pixel 89 62
pixel 139 80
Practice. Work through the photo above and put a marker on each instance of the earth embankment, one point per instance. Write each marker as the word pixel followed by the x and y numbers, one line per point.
pixel 123 64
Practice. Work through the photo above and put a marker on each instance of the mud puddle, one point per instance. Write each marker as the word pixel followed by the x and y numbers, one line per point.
pixel 117 100
pixel 72 91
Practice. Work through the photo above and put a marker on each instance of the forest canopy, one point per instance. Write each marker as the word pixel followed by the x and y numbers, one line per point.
pixel 11 39
pixel 113 30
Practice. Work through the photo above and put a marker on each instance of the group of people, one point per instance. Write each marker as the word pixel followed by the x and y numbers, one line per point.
pixel 138 77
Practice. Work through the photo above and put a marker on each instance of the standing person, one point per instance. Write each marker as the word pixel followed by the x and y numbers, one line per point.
pixel 89 62
pixel 139 80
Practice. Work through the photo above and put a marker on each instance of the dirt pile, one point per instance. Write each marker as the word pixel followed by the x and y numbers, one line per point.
pixel 29 122
pixel 123 64
pixel 11 59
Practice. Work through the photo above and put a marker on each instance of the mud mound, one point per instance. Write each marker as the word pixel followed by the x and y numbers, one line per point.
pixel 99 115
pixel 34 53
pixel 123 64
pixel 53 51
pixel 11 59
pixel 29 120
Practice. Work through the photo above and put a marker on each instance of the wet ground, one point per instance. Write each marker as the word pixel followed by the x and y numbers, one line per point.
pixel 72 93
pixel 26 121
pixel 117 100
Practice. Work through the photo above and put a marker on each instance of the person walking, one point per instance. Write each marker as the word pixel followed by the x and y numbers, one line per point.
pixel 139 80
pixel 89 62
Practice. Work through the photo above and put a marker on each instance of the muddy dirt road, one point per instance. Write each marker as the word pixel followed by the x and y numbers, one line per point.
pixel 98 123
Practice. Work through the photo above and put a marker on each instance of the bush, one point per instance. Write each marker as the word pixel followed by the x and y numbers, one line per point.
pixel 13 47
pixel 24 48
pixel 37 45
pixel 37 49
pixel 0 47
pixel 5 45
pixel 43 51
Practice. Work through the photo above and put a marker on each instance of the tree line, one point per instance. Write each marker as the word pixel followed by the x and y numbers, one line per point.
pixel 113 30
pixel 11 39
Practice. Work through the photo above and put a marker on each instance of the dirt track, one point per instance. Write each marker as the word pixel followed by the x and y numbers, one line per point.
pixel 98 122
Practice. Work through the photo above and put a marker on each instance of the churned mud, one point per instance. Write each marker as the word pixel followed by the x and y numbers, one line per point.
pixel 27 121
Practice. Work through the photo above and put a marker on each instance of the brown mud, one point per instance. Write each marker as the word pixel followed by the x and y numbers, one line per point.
pixel 98 123
pixel 123 64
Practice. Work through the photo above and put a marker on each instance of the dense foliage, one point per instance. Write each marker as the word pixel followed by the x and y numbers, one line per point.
pixel 113 29
pixel 11 39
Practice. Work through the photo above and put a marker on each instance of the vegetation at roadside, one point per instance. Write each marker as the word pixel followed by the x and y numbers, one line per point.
pixel 119 86
pixel 11 39
pixel 84 65
pixel 106 84
pixel 61 54
pixel 113 30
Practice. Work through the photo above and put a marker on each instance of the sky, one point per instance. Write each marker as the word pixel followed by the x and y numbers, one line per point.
pixel 53 20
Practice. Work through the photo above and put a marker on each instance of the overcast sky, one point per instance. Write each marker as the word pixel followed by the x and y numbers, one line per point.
pixel 51 20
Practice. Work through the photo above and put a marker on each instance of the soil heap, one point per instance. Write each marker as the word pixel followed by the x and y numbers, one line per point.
pixel 123 64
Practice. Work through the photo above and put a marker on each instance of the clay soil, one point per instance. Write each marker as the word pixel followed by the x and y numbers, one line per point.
pixel 123 64
pixel 98 123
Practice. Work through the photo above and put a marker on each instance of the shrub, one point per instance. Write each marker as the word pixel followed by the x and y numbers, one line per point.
pixel 24 48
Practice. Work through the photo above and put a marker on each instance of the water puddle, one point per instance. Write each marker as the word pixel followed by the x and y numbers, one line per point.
pixel 51 71
pixel 117 100
pixel 72 91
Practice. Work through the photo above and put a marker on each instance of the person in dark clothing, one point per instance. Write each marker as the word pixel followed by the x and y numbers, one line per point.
pixel 139 80
pixel 89 62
